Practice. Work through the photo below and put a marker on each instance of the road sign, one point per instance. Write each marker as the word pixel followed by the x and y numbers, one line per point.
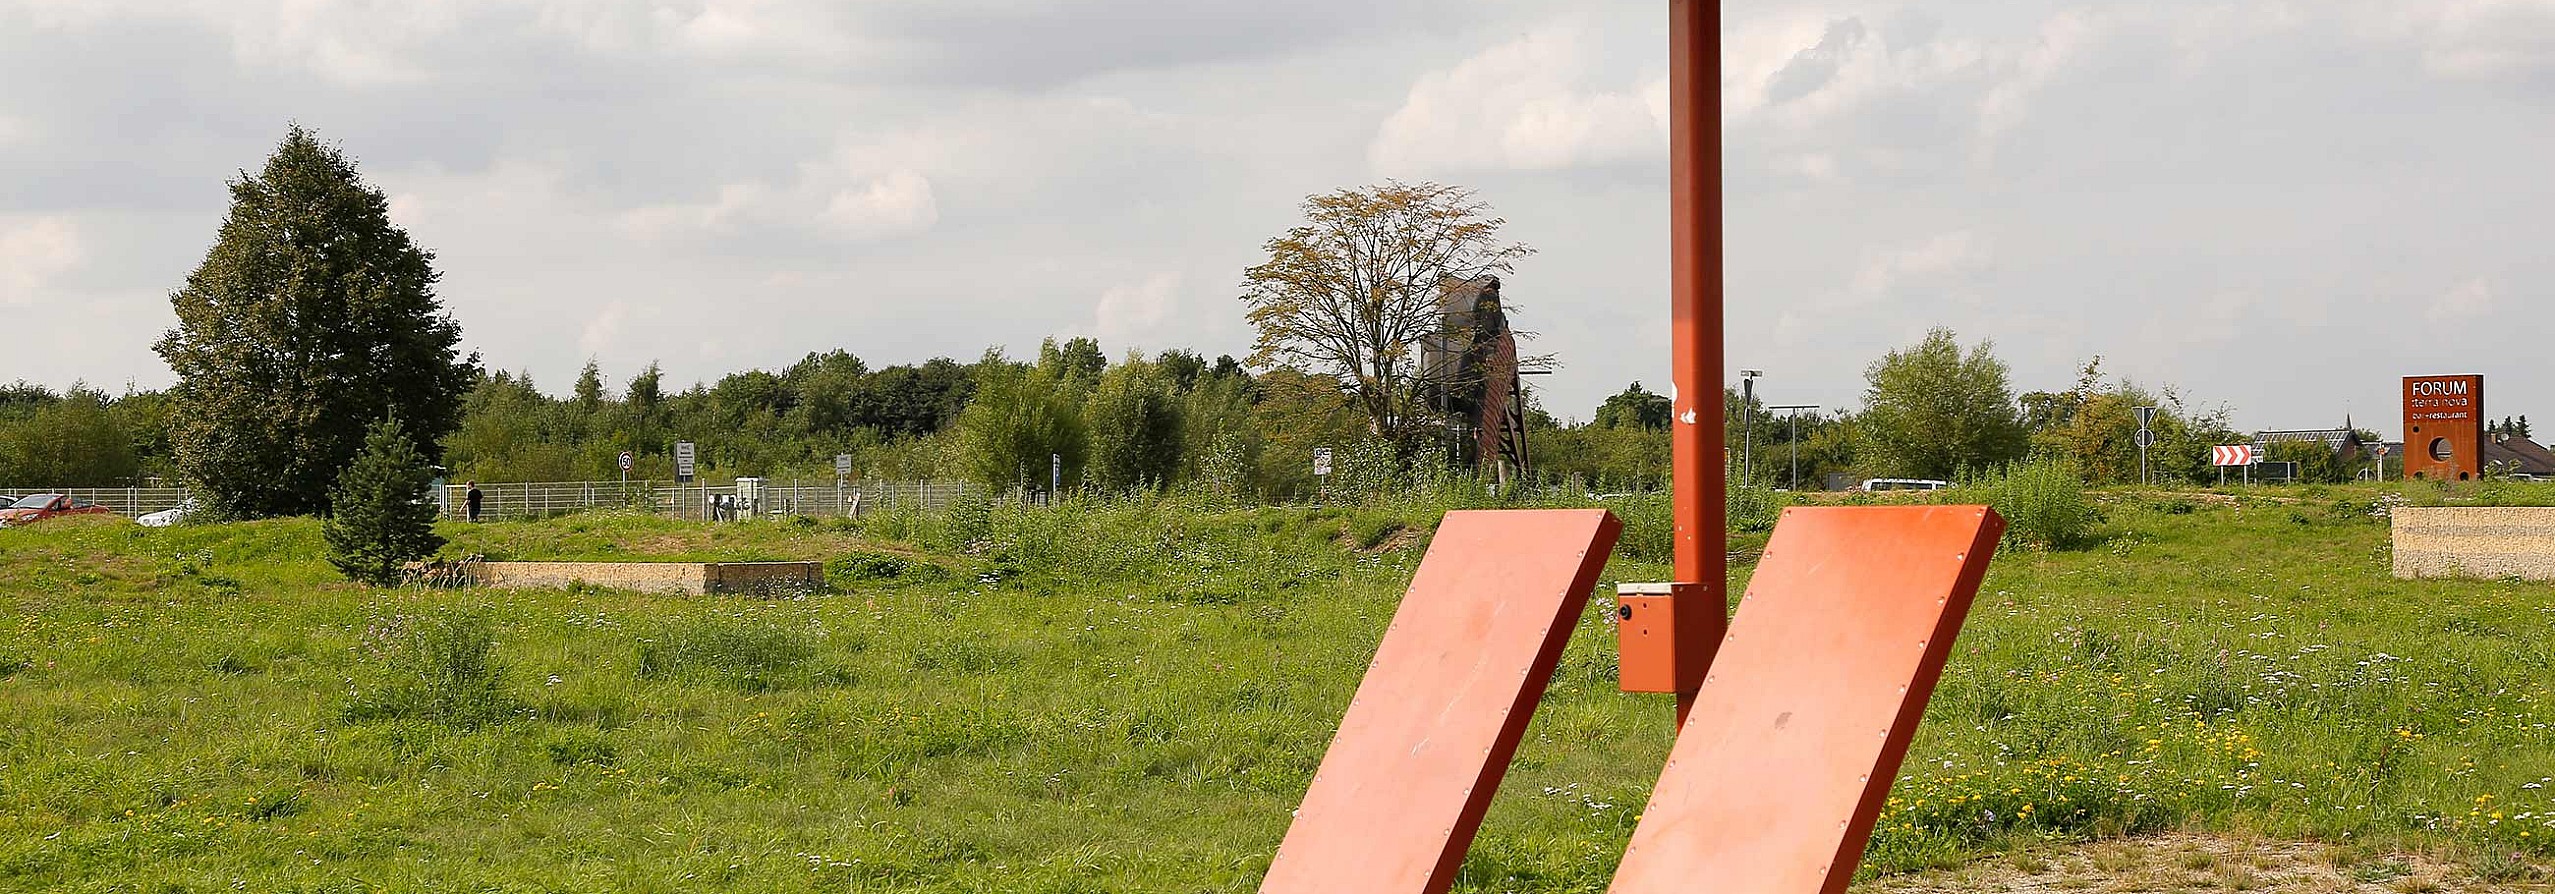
pixel 2237 455
pixel 842 465
pixel 1322 461
pixel 627 461
pixel 682 460
pixel 2382 451
pixel 2146 439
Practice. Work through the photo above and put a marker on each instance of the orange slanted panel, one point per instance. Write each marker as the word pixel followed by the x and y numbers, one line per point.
pixel 1797 733
pixel 1432 727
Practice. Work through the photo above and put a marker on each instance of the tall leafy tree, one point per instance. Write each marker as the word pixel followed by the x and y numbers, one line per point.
pixel 1075 360
pixel 1355 292
pixel 1135 421
pixel 75 441
pixel 311 315
pixel 1022 419
pixel 1932 410
pixel 381 519
pixel 510 431
pixel 589 393
pixel 2093 427
pixel 1634 407
pixel 1181 367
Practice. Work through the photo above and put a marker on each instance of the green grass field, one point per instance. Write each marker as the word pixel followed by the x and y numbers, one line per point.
pixel 1131 697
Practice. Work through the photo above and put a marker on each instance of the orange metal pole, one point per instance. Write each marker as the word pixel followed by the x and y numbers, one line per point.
pixel 1696 445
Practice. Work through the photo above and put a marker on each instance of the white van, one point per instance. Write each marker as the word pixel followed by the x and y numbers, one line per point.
pixel 1877 485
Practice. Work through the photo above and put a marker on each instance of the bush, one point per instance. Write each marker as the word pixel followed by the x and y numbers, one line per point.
pixel 862 566
pixel 1753 509
pixel 439 667
pixel 969 521
pixel 1649 533
pixel 2043 503
pixel 1363 471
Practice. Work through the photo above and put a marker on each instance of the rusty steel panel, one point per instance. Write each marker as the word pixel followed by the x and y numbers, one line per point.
pixel 1776 777
pixel 2444 427
pixel 1429 734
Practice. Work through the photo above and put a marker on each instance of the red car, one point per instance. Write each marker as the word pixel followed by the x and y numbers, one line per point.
pixel 29 510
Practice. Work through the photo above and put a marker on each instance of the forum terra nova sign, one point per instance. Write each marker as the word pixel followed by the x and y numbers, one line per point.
pixel 2444 427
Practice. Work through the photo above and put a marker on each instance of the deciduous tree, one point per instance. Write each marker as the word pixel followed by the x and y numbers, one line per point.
pixel 1353 292
pixel 1135 423
pixel 1931 411
pixel 1634 407
pixel 75 441
pixel 1022 419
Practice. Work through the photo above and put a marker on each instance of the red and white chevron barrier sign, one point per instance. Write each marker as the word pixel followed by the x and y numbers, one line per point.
pixel 2239 455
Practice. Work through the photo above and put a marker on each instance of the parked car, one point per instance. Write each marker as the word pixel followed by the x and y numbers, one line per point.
pixel 1881 484
pixel 29 510
pixel 170 516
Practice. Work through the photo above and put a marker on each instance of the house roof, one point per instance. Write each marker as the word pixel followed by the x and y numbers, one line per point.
pixel 2520 455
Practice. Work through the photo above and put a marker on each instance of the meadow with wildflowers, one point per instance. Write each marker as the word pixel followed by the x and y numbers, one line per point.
pixel 1131 696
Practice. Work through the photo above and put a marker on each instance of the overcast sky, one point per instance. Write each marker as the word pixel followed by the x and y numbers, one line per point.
pixel 2277 206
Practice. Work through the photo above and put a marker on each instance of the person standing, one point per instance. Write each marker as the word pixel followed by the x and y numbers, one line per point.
pixel 470 501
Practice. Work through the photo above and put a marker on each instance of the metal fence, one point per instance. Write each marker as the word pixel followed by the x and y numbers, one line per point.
pixel 542 499
pixel 124 501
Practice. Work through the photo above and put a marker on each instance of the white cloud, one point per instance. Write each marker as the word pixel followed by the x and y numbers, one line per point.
pixel 900 202
pixel 719 215
pixel 2469 302
pixel 1131 312
pixel 603 332
pixel 1805 70
pixel 32 252
pixel 2060 40
pixel 824 200
pixel 1521 105
pixel 356 43
pixel 1948 256
pixel 2477 39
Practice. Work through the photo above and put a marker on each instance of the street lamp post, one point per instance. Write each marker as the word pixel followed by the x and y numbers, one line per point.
pixel 1795 438
pixel 1748 425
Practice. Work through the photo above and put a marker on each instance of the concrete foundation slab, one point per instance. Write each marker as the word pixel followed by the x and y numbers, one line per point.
pixel 2487 543
pixel 695 578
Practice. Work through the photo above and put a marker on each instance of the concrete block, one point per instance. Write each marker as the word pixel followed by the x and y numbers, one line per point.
pixel 692 578
pixel 2488 543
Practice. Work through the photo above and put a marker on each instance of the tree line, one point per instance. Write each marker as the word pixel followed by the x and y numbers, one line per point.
pixel 312 326
pixel 1939 410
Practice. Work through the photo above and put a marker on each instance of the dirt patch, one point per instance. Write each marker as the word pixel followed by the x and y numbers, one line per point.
pixel 2210 863
pixel 1401 539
